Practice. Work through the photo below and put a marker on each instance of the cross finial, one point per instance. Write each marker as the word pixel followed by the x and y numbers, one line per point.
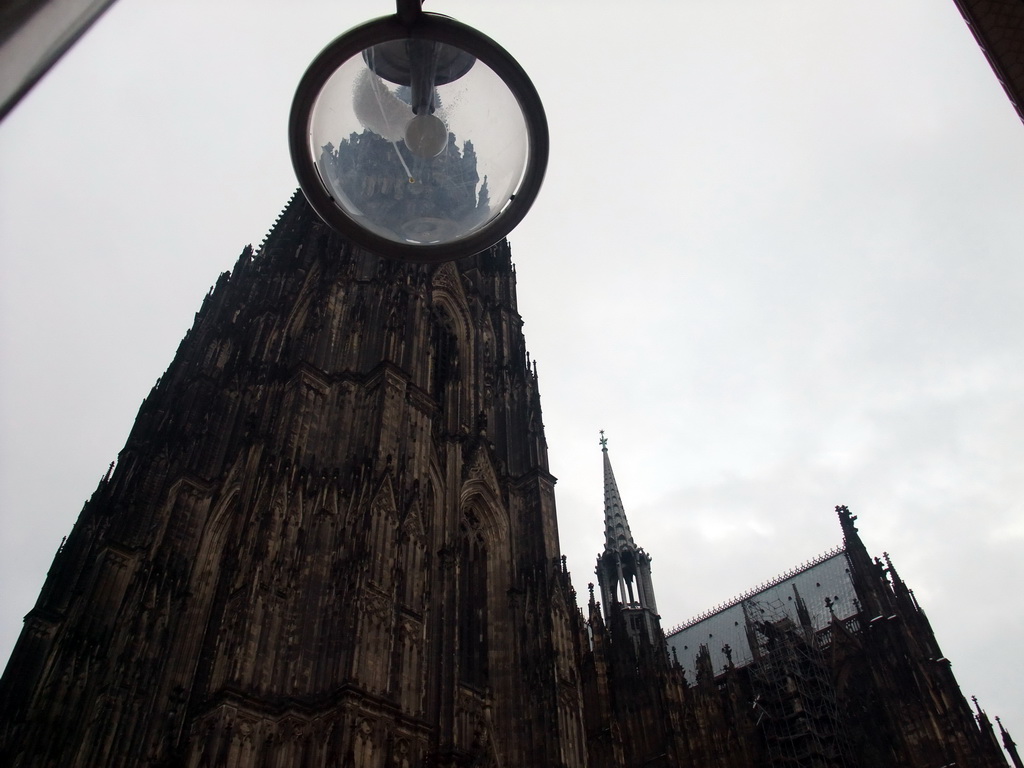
pixel 603 441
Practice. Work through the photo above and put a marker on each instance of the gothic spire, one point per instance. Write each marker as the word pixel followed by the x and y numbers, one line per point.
pixel 1009 745
pixel 868 576
pixel 623 568
pixel 617 536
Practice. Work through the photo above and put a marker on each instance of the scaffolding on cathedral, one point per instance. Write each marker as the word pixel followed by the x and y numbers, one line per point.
pixel 794 696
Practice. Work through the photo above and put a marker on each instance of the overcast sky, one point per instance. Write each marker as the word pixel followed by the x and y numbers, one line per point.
pixel 777 259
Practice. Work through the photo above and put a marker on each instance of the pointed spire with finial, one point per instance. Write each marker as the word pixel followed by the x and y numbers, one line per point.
pixel 623 568
pixel 985 725
pixel 873 591
pixel 1009 745
pixel 617 536
pixel 904 595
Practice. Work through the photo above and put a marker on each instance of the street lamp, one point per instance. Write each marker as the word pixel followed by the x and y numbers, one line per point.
pixel 418 137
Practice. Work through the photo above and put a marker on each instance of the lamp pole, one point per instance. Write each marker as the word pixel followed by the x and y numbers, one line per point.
pixel 34 34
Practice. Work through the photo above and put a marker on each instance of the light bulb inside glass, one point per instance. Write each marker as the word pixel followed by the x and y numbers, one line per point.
pixel 426 136
pixel 418 143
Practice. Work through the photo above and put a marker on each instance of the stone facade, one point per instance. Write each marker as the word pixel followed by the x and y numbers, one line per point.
pixel 329 540
pixel 860 683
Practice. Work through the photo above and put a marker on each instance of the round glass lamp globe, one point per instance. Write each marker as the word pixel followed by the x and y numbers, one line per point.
pixel 424 142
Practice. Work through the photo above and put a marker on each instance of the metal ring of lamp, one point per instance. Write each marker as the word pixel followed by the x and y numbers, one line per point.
pixel 438 29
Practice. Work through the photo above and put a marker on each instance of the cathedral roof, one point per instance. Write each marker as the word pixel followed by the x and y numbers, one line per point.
pixel 824 585
pixel 617 536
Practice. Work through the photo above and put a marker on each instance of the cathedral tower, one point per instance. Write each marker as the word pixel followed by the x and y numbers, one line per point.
pixel 329 540
pixel 623 568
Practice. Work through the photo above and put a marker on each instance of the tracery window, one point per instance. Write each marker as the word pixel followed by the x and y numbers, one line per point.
pixel 445 355
pixel 472 608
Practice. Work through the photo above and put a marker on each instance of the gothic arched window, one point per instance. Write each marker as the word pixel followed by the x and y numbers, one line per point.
pixel 444 355
pixel 472 608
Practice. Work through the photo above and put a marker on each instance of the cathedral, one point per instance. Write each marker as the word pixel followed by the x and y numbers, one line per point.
pixel 832 664
pixel 330 540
